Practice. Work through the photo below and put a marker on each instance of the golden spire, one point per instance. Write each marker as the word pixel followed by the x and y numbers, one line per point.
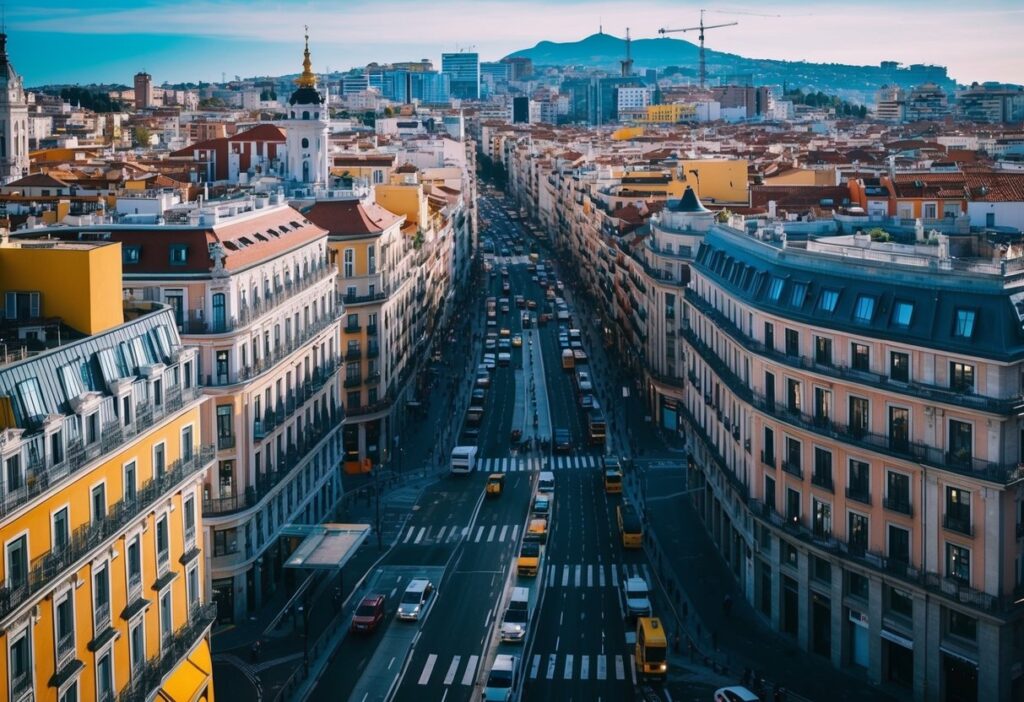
pixel 307 79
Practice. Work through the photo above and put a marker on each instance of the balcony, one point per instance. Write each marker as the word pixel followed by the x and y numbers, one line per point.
pixel 353 353
pixel 322 425
pixel 959 524
pixel 65 648
pixel 898 504
pixel 351 300
pixel 768 459
pixel 954 396
pixel 86 539
pixel 225 442
pixel 373 351
pixel 793 469
pixel 822 480
pixel 272 357
pixel 21 686
pixel 353 381
pixel 858 495
pixel 176 648
pixel 371 330
pixel 251 312
pixel 45 476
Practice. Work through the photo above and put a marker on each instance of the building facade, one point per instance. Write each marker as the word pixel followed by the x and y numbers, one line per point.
pixel 100 430
pixel 143 91
pixel 463 68
pixel 14 130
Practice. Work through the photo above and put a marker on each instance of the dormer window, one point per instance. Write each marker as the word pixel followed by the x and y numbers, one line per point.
pixel 827 301
pixel 865 309
pixel 799 295
pixel 178 254
pixel 964 326
pixel 305 114
pixel 902 313
pixel 775 289
pixel 130 254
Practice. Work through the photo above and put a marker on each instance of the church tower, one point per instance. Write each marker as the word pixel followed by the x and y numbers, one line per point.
pixel 13 120
pixel 307 128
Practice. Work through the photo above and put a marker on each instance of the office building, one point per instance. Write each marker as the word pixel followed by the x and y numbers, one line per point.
pixel 463 69
pixel 430 87
pixel 103 467
pixel 991 103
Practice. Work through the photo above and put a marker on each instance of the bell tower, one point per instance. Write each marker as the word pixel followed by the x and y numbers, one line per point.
pixel 13 120
pixel 307 129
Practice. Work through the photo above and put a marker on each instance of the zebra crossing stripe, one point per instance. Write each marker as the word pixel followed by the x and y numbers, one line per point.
pixel 504 530
pixel 409 534
pixel 551 576
pixel 620 669
pixel 632 667
pixel 600 575
pixel 602 667
pixel 428 668
pixel 535 666
pixel 584 667
pixel 568 667
pixel 467 677
pixel 565 576
pixel 440 534
pixel 479 533
pixel 590 576
pixel 490 534
pixel 576 577
pixel 450 675
pixel 615 576
pixel 515 531
pixel 419 537
pixel 551 667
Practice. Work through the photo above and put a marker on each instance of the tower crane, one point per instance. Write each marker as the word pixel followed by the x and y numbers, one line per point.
pixel 701 27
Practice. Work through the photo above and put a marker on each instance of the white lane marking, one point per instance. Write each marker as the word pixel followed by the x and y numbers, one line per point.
pixel 504 465
pixel 584 667
pixel 551 576
pixel 632 668
pixel 600 575
pixel 479 533
pixel 535 666
pixel 467 677
pixel 515 532
pixel 602 667
pixel 576 577
pixel 490 534
pixel 590 576
pixel 615 575
pixel 550 674
pixel 428 668
pixel 620 669
pixel 466 530
pixel 440 534
pixel 568 667
pixel 565 575
pixel 504 530
pixel 452 669
pixel 409 534
pixel 419 537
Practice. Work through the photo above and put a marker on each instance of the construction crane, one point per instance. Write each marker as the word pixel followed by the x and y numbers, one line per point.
pixel 627 64
pixel 701 27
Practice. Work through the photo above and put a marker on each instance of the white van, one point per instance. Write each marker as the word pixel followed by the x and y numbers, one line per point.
pixel 546 481
pixel 463 460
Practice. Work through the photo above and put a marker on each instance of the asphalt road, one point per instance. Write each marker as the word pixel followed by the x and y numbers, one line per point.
pixel 579 646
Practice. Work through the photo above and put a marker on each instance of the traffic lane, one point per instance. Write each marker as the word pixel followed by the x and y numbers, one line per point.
pixel 445 505
pixel 561 391
pixel 468 597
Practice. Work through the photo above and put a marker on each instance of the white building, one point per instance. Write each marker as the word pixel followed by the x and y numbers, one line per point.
pixel 307 127
pixel 13 120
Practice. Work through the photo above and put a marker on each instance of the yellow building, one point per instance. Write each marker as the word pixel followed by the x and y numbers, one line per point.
pixel 669 114
pixel 717 181
pixel 100 489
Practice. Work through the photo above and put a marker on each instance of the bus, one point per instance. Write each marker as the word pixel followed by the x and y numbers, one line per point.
pixel 463 460
pixel 613 481
pixel 568 360
pixel 651 647
pixel 630 527
pixel 596 426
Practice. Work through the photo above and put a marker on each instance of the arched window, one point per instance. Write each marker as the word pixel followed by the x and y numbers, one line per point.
pixel 305 143
pixel 305 114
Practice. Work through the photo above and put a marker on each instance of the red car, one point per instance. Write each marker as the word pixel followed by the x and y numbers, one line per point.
pixel 369 613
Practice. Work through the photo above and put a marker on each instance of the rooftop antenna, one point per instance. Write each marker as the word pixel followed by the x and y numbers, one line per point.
pixel 627 65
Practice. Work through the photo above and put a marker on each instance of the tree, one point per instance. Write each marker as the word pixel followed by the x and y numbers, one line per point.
pixel 142 135
pixel 388 112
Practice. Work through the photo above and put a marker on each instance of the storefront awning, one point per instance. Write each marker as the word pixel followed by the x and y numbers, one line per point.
pixel 325 546
pixel 191 679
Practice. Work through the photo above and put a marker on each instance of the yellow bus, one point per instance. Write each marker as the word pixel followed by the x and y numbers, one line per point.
pixel 630 526
pixel 612 480
pixel 651 647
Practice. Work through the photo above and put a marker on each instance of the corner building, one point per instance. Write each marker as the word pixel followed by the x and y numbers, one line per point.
pixel 853 411
pixel 100 425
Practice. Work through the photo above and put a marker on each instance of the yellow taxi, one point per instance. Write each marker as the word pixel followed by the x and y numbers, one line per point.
pixel 495 484
pixel 538 529
pixel 517 340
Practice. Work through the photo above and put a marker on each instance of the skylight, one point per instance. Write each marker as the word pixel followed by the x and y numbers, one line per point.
pixel 865 309
pixel 902 313
pixel 799 294
pixel 964 327
pixel 827 301
pixel 775 289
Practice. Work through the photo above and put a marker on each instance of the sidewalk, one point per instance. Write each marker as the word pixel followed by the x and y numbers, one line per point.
pixel 279 671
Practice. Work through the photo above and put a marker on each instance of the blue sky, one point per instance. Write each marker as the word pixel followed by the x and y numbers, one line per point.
pixel 70 41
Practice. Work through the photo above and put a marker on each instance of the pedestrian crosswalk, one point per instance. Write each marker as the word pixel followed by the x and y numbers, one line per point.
pixel 432 535
pixel 570 666
pixel 577 575
pixel 465 664
pixel 536 463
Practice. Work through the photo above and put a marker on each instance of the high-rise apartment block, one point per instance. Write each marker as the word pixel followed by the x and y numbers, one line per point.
pixel 463 69
pixel 143 91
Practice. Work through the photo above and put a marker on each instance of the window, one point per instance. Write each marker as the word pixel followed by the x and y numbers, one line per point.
pixel 99 502
pixel 860 481
pixel 792 342
pixel 857 585
pixel 769 492
pixel 899 602
pixel 371 259
pixel 130 481
pixel 101 598
pixel 31 399
pixel 305 143
pixel 859 419
pixel 821 569
pixel 193 587
pixel 823 350
pixel 822 525
pixel 958 562
pixel 857 535
pixel 92 428
pixel 899 366
pixel 226 478
pixel 769 391
pixel 137 647
pixel 22 305
pixel 961 377
pixel 962 625
pixel 104 678
pixel 822 468
pixel 190 517
pixel 225 541
pixel 159 460
pixel 798 295
pixel 865 309
pixel 61 529
pixel 899 544
pixel 793 450
pixel 223 368
pixel 860 357
pixel 775 289
pixel 133 564
pixel 17 562
pixel 166 621
pixel 827 301
pixel 13 472
pixel 768 448
pixel 57 447
pixel 961 443
pixel 769 336
pixel 822 407
pixel 20 656
pixel 902 313
pixel 897 491
pixel 793 395
pixel 64 623
pixel 71 379
pixel 349 263
pixel 130 254
pixel 162 540
pixel 179 254
pixel 787 551
pixel 225 427
pixel 792 505
pixel 964 324
pixel 219 317
pixel 186 444
pixel 958 510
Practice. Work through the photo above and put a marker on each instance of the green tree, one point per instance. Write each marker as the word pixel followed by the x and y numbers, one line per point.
pixel 142 135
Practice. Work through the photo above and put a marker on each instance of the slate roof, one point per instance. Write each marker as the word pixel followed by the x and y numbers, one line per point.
pixel 689 202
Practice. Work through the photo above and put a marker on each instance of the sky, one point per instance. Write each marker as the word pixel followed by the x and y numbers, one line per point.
pixel 70 41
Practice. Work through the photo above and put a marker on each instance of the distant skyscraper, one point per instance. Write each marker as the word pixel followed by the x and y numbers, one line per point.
pixel 521 109
pixel 521 67
pixel 430 87
pixel 13 120
pixel 395 86
pixel 463 69
pixel 143 91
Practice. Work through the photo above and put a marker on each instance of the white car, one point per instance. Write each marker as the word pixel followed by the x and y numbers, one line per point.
pixel 503 679
pixel 489 361
pixel 736 693
pixel 415 599
pixel 637 597
pixel 504 358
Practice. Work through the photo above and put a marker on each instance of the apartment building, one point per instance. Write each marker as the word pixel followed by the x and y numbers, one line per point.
pixel 100 422
pixel 852 413
pixel 250 286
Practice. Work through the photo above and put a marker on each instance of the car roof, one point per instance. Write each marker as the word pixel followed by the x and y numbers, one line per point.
pixel 503 661
pixel 635 581
pixel 417 584
pixel 372 599
pixel 740 692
